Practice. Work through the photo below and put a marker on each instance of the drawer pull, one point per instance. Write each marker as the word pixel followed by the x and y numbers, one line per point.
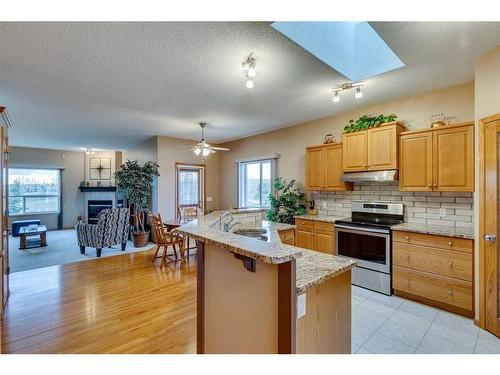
pixel 450 264
pixel 407 238
pixel 450 292
pixel 450 243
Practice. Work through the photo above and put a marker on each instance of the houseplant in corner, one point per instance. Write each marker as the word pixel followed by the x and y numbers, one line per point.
pixel 134 182
pixel 287 201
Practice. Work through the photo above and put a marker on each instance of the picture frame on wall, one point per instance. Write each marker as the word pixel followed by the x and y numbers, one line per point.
pixel 100 168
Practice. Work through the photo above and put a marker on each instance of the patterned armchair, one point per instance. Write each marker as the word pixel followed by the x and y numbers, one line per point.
pixel 111 229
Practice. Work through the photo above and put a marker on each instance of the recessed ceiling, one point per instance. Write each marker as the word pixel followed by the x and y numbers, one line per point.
pixel 111 85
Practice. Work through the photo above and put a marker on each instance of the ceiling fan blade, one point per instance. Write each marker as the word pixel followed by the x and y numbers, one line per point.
pixel 220 148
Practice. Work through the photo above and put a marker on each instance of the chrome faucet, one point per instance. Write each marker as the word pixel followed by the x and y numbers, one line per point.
pixel 230 224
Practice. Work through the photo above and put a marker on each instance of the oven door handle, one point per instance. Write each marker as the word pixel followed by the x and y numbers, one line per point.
pixel 361 230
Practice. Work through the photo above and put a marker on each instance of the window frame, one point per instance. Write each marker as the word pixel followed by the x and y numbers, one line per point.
pixel 201 183
pixel 241 181
pixel 24 213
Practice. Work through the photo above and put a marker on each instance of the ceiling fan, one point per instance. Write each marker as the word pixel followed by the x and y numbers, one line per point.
pixel 203 148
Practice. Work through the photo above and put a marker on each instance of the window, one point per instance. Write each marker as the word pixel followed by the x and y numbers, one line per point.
pixel 34 191
pixel 255 182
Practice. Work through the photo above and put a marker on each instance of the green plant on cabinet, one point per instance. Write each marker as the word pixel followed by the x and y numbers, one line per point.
pixel 366 122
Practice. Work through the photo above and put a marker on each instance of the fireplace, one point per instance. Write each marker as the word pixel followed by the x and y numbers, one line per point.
pixel 95 207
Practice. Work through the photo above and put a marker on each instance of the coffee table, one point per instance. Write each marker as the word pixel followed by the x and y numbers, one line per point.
pixel 38 231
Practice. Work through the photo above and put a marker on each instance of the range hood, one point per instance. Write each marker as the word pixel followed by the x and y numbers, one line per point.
pixel 387 175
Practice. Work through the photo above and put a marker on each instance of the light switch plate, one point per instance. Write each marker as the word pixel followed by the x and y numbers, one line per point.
pixel 209 198
pixel 301 305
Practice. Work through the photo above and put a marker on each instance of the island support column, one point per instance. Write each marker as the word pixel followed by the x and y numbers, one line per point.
pixel 251 309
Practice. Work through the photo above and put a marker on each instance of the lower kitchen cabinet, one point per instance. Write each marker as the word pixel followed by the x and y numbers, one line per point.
pixel 315 235
pixel 287 237
pixel 436 270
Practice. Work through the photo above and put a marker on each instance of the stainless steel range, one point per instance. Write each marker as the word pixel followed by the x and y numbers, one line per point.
pixel 366 237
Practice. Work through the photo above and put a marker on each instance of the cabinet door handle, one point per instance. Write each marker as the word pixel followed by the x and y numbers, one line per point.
pixel 429 186
pixel 450 292
pixel 435 185
pixel 450 243
pixel 450 264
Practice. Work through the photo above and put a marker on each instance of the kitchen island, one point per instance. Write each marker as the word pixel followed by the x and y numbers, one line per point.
pixel 258 295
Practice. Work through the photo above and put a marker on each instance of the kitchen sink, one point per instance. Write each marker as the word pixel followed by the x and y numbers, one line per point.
pixel 253 233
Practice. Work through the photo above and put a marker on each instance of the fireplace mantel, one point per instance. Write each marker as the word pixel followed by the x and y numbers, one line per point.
pixel 96 189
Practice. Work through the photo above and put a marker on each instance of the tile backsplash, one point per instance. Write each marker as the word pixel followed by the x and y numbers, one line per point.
pixel 452 209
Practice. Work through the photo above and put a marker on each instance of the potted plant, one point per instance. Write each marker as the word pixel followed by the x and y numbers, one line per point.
pixel 368 121
pixel 134 182
pixel 287 201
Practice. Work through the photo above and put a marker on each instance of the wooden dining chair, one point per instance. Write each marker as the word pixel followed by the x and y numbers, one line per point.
pixel 165 239
pixel 186 214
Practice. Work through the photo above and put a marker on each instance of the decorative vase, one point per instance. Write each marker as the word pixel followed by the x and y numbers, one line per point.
pixel 140 238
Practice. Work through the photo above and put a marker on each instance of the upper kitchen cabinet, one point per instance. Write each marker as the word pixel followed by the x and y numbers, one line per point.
pixel 314 168
pixel 324 168
pixel 439 159
pixel 415 172
pixel 355 152
pixel 373 149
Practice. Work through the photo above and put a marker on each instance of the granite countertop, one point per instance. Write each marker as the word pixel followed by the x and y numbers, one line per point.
pixel 312 267
pixel 435 229
pixel 270 251
pixel 325 218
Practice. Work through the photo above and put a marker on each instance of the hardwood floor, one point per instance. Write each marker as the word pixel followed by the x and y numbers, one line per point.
pixel 120 304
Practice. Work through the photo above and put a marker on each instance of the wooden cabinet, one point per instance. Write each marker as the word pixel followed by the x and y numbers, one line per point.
pixel 355 152
pixel 314 168
pixel 315 235
pixel 4 203
pixel 324 168
pixel 287 237
pixel 437 270
pixel 415 167
pixel 438 159
pixel 373 149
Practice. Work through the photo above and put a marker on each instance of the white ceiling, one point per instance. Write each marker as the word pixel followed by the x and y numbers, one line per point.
pixel 112 85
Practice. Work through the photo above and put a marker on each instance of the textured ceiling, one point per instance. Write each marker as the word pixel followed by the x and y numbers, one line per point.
pixel 112 85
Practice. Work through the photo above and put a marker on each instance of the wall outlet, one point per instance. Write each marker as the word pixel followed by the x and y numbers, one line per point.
pixel 324 204
pixel 442 212
pixel 301 305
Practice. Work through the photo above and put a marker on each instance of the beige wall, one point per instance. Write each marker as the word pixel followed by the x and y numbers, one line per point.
pixel 487 103
pixel 166 152
pixel 457 101
pixel 172 150
pixel 72 165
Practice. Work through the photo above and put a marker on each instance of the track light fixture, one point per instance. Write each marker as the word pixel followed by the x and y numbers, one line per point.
pixel 347 86
pixel 89 151
pixel 250 72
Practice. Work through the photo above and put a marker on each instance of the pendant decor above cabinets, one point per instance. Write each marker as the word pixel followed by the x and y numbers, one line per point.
pixel 439 159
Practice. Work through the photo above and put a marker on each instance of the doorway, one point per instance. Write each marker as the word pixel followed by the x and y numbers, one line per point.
pixel 190 187
pixel 489 266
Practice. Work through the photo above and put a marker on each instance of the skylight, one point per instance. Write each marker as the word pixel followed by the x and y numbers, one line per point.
pixel 354 49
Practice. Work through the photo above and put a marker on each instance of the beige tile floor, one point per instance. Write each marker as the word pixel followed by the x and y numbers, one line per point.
pixel 392 325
